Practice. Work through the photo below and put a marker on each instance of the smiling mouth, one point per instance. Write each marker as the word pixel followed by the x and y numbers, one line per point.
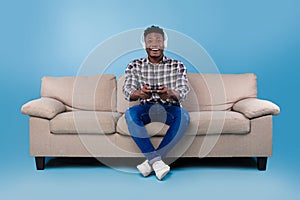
pixel 154 49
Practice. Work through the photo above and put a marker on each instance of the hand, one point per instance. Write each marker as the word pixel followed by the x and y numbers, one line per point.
pixel 144 93
pixel 165 94
pixel 146 89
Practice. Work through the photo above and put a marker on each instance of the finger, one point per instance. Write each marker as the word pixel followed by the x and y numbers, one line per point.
pixel 147 87
pixel 144 95
pixel 164 90
pixel 146 91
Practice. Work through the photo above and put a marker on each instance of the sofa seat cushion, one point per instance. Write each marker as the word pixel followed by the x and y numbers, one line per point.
pixel 216 122
pixel 84 122
pixel 201 123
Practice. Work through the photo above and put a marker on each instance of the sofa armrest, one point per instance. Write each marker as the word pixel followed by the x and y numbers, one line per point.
pixel 253 107
pixel 43 107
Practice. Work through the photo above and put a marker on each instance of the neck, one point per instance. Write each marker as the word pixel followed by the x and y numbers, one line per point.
pixel 155 60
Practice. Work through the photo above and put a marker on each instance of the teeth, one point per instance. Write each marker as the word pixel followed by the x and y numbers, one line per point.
pixel 154 49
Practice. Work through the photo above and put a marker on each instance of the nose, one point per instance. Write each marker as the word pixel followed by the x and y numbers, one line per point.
pixel 156 44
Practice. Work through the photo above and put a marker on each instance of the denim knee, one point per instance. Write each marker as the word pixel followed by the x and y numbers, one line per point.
pixel 185 115
pixel 128 113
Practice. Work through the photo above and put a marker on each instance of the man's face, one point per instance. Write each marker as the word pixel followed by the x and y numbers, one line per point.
pixel 154 45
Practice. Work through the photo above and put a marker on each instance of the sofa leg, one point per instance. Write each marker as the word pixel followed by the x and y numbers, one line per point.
pixel 262 163
pixel 40 163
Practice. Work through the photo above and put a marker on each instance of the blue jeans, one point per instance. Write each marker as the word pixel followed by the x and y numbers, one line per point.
pixel 174 116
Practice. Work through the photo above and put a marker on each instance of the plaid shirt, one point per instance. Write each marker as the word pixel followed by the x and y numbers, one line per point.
pixel 168 72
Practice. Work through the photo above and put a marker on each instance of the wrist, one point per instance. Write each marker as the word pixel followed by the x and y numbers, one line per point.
pixel 134 95
pixel 174 95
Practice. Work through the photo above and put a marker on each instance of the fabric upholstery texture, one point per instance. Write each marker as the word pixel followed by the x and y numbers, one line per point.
pixel 84 122
pixel 123 104
pixel 208 91
pixel 201 123
pixel 82 92
pixel 218 91
pixel 43 107
pixel 253 107
pixel 84 116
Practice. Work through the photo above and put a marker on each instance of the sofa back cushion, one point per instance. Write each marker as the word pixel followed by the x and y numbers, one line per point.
pixel 123 104
pixel 208 91
pixel 82 92
pixel 218 91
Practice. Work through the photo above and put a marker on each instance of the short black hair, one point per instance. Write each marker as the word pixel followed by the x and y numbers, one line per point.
pixel 154 29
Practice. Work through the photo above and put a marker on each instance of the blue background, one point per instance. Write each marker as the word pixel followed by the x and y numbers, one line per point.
pixel 52 38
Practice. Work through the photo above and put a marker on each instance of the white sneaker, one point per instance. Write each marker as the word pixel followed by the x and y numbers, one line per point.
pixel 161 169
pixel 145 168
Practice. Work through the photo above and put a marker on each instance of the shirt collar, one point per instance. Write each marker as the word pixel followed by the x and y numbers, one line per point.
pixel 163 61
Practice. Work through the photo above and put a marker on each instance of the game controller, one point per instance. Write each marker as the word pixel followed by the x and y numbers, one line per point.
pixel 155 88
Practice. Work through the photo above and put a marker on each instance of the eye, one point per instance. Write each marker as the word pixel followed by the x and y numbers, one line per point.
pixel 149 41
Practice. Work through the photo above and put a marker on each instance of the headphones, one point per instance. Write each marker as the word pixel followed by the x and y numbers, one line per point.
pixel 165 40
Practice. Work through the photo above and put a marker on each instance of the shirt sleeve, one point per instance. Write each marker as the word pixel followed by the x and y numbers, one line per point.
pixel 182 84
pixel 131 81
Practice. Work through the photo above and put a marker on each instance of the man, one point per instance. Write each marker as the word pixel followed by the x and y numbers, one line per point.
pixel 160 84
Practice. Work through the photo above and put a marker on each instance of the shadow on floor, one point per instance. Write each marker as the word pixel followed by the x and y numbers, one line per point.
pixel 215 163
pixel 62 162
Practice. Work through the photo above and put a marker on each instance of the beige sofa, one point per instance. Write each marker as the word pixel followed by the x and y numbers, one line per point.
pixel 83 116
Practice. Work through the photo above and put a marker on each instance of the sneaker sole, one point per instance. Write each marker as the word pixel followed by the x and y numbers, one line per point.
pixel 161 176
pixel 145 174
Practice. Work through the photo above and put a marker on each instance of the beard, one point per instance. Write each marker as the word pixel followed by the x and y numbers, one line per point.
pixel 155 54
